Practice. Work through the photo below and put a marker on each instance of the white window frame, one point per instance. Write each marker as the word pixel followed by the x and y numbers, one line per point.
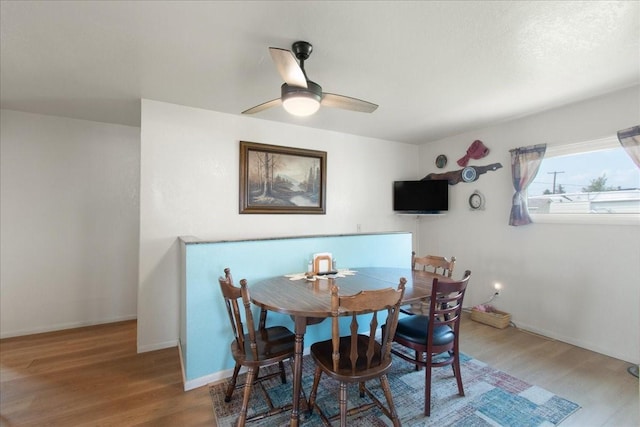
pixel 599 219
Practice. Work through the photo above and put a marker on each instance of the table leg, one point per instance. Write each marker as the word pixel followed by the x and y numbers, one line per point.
pixel 300 329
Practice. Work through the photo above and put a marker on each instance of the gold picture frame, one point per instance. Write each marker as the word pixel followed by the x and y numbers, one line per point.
pixel 282 180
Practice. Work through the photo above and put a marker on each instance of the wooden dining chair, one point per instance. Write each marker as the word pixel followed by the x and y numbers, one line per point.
pixel 253 348
pixel 358 358
pixel 434 263
pixel 435 334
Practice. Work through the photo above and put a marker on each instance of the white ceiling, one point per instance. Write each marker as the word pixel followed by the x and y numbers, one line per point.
pixel 435 68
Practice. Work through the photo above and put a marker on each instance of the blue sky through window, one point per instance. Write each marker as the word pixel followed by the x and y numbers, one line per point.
pixel 576 171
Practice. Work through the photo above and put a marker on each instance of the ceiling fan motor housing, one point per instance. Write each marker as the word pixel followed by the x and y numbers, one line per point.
pixel 313 90
pixel 302 49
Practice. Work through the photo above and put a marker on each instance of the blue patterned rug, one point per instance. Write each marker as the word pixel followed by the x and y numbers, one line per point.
pixel 492 398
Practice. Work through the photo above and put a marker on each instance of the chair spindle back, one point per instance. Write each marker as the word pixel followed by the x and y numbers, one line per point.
pixel 365 302
pixel 436 264
pixel 232 295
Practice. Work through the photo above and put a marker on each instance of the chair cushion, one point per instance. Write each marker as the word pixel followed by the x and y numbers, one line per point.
pixel 276 342
pixel 322 354
pixel 414 328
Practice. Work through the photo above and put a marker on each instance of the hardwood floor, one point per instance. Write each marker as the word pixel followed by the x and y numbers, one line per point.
pixel 601 385
pixel 93 376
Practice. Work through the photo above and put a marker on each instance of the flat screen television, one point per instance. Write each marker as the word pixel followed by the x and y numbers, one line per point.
pixel 421 197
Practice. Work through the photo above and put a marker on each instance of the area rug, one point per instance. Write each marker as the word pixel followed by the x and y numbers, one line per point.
pixel 492 398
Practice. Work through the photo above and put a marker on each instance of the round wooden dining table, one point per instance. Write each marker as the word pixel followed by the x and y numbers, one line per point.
pixel 309 302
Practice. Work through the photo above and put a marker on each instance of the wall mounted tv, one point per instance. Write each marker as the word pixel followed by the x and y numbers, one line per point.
pixel 421 197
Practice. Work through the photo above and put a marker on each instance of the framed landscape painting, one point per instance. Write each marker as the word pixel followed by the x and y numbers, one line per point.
pixel 282 180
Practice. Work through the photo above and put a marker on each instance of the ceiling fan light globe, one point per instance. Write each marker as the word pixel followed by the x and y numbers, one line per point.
pixel 301 101
pixel 300 105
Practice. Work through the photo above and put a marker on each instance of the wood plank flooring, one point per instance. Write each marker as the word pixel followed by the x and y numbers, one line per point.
pixel 92 376
pixel 601 385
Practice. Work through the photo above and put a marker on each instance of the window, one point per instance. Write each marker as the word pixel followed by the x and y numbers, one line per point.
pixel 592 181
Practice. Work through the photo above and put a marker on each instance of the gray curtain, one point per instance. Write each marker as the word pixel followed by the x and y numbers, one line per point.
pixel 630 140
pixel 525 162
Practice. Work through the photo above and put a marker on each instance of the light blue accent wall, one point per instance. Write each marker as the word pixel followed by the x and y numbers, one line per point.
pixel 205 333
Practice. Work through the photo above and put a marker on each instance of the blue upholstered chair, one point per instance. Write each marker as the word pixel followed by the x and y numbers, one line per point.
pixel 435 334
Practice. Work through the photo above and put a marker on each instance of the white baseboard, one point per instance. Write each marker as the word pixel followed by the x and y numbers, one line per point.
pixel 214 377
pixel 63 326
pixel 209 379
pixel 579 343
pixel 157 346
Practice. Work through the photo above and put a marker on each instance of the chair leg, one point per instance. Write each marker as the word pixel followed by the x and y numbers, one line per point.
pixel 419 358
pixel 314 389
pixel 384 382
pixel 457 373
pixel 283 375
pixel 343 404
pixel 427 387
pixel 248 386
pixel 361 388
pixel 232 385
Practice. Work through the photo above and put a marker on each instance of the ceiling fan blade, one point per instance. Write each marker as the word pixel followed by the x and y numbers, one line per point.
pixel 288 67
pixel 347 103
pixel 263 106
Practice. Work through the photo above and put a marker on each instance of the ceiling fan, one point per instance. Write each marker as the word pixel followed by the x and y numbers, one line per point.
pixel 299 95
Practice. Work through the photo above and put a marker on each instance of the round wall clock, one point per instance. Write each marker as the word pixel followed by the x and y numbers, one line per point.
pixel 476 201
pixel 441 161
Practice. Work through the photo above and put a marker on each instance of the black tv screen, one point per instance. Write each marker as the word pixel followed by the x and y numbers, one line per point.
pixel 429 196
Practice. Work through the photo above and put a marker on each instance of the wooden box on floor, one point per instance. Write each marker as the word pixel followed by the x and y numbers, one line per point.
pixel 497 319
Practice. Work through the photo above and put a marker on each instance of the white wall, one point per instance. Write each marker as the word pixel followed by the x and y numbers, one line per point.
pixel 69 221
pixel 189 186
pixel 577 283
pixel 69 218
